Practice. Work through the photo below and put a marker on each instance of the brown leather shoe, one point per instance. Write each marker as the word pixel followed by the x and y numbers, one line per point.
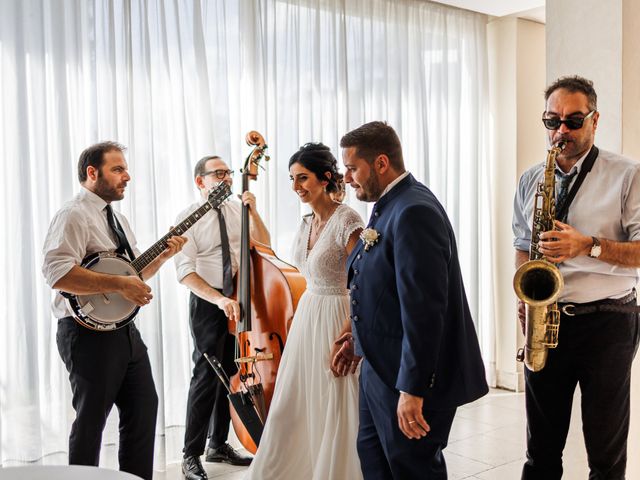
pixel 192 468
pixel 225 453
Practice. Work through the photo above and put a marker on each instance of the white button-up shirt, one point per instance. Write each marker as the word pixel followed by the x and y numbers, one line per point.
pixel 607 205
pixel 77 230
pixel 203 252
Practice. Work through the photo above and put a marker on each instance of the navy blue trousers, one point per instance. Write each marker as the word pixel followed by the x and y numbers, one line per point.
pixel 107 368
pixel 595 351
pixel 385 453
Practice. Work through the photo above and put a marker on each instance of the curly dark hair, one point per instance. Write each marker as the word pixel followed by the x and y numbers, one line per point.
pixel 575 84
pixel 317 158
pixel 93 156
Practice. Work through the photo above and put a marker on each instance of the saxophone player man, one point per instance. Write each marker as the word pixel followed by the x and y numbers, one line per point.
pixel 596 246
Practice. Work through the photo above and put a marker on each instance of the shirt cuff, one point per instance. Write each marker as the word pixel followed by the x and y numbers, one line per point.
pixel 183 271
pixel 55 273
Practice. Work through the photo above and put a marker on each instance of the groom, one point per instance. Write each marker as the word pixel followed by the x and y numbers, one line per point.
pixel 409 314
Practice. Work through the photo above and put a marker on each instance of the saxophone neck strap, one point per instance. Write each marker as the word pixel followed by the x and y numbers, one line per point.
pixel 587 165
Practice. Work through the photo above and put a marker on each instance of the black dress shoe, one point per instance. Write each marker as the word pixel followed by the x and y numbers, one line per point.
pixel 225 453
pixel 192 468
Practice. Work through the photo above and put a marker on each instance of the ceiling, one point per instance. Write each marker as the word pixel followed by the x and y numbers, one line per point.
pixel 529 9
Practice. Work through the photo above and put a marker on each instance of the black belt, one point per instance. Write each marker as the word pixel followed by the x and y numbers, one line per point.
pixel 128 326
pixel 619 305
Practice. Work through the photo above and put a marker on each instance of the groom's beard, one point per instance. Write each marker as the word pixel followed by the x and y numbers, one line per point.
pixel 370 190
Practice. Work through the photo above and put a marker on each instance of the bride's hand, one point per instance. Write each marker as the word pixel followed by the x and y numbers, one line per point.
pixel 343 357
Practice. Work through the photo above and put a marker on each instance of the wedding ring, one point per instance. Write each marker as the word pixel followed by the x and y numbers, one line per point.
pixel 412 421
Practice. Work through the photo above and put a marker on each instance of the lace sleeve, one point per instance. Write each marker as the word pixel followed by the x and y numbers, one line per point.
pixel 349 222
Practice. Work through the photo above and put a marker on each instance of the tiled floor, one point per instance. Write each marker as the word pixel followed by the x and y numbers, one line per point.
pixel 487 442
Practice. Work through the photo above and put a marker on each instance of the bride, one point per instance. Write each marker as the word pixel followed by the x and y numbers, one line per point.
pixel 312 424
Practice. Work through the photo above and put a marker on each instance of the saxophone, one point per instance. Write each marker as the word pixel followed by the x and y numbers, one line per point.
pixel 538 282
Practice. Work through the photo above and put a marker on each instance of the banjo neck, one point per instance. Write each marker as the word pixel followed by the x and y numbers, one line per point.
pixel 153 252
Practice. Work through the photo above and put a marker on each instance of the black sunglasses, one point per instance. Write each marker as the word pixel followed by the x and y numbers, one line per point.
pixel 572 123
pixel 220 174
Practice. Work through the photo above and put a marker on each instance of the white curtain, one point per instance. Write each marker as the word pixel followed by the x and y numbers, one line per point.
pixel 177 80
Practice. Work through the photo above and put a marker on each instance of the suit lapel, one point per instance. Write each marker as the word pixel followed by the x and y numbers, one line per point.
pixel 390 196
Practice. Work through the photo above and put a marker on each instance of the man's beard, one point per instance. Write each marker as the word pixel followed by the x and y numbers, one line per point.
pixel 370 190
pixel 106 191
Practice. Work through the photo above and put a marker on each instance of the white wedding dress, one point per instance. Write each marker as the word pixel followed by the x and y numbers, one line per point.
pixel 312 424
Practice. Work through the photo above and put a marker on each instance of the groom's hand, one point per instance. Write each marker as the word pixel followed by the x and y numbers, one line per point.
pixel 343 356
pixel 410 419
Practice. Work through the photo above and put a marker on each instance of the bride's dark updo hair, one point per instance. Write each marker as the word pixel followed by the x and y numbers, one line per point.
pixel 318 158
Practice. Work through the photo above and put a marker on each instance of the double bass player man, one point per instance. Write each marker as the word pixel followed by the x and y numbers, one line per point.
pixel 207 268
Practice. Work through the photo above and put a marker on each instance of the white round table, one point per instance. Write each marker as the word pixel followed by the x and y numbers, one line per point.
pixel 63 472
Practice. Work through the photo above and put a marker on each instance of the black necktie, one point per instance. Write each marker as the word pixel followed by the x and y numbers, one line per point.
pixel 227 275
pixel 123 243
pixel 562 193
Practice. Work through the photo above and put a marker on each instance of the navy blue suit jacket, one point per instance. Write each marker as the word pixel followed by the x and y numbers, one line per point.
pixel 409 310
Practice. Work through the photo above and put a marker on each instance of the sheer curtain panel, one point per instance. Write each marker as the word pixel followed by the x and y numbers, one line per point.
pixel 177 80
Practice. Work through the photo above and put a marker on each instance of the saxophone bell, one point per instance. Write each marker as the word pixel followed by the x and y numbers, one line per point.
pixel 538 284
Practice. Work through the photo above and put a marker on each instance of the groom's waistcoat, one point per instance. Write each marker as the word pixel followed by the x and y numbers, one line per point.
pixel 409 310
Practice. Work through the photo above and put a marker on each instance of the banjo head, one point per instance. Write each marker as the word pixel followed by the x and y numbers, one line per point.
pixel 105 311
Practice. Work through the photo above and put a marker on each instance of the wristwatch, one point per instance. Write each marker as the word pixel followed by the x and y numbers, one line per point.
pixel 596 248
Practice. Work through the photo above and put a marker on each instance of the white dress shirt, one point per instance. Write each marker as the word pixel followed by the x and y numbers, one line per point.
pixel 203 252
pixel 607 205
pixel 77 230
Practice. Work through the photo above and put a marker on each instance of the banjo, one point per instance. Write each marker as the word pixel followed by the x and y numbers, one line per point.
pixel 109 311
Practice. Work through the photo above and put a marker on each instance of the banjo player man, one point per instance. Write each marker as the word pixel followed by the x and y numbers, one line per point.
pixel 105 367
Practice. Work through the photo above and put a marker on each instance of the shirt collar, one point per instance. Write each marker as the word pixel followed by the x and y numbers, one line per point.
pixel 576 168
pixel 92 198
pixel 394 183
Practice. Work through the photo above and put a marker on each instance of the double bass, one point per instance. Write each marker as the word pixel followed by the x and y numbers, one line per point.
pixel 268 294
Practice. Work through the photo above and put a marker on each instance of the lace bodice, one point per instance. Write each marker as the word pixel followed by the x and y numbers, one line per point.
pixel 324 266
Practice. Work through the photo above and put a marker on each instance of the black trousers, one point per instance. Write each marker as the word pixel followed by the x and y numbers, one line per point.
pixel 385 453
pixel 595 351
pixel 107 368
pixel 207 402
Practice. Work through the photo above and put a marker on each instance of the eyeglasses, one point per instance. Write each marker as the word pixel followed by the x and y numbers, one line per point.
pixel 219 174
pixel 572 123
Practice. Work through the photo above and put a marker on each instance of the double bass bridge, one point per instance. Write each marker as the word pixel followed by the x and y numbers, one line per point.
pixel 258 357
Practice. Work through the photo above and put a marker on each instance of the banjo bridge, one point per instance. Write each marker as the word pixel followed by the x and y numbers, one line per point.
pixel 87 308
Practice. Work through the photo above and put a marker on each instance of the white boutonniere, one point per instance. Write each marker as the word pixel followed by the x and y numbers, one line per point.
pixel 369 237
